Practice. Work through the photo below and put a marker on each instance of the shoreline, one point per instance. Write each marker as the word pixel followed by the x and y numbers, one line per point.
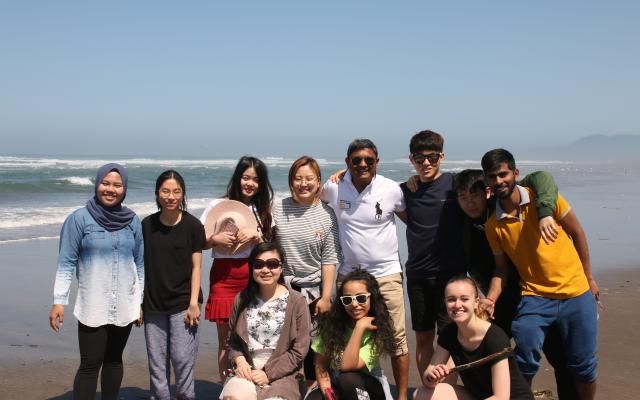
pixel 35 363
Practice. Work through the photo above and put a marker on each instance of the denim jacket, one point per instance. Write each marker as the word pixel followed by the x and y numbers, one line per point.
pixel 109 267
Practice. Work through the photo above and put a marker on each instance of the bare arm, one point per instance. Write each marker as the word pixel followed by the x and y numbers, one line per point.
pixel 498 282
pixel 322 371
pixel 192 317
pixel 437 369
pixel 500 380
pixel 571 224
pixel 402 215
pixel 351 360
pixel 413 182
pixel 328 278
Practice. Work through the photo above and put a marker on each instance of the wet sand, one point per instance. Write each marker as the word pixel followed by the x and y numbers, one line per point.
pixel 36 363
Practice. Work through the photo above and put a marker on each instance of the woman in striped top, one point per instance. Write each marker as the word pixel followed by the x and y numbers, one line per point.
pixel 307 229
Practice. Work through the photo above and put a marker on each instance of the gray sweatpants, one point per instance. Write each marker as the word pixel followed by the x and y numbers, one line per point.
pixel 170 342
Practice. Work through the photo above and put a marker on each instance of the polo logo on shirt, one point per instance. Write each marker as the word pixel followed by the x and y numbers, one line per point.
pixel 378 211
pixel 345 205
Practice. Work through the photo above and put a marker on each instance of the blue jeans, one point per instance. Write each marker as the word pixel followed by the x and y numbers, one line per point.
pixel 577 320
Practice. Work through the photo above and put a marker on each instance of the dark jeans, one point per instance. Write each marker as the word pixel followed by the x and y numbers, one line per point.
pixel 554 351
pixel 100 347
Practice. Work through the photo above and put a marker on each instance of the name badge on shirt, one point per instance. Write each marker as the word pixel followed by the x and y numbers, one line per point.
pixel 345 205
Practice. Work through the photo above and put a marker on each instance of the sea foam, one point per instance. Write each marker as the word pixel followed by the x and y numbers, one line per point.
pixel 27 217
pixel 77 180
pixel 36 163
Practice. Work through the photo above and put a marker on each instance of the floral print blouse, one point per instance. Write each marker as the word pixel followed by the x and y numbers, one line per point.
pixel 264 323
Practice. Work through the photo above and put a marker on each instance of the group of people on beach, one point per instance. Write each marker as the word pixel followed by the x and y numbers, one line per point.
pixel 489 259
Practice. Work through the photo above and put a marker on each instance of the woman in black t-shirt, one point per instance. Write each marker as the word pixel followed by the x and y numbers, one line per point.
pixel 173 243
pixel 469 338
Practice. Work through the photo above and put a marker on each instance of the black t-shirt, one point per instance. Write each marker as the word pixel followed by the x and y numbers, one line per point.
pixel 434 230
pixel 478 380
pixel 168 264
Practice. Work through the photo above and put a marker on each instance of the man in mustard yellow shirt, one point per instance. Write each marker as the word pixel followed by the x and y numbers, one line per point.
pixel 557 285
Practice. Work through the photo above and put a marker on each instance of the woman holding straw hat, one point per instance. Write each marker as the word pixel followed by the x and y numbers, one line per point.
pixel 234 224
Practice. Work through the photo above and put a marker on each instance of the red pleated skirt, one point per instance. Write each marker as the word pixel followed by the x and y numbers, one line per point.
pixel 227 278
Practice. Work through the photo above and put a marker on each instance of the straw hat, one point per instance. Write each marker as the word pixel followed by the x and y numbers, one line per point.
pixel 230 216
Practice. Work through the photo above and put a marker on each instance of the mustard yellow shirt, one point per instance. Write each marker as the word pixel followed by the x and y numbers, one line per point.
pixel 548 270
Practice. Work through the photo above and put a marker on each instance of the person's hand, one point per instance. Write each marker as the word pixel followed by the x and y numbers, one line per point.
pixel 413 183
pixel 337 176
pixel 595 290
pixel 548 229
pixel 323 305
pixel 223 239
pixel 367 323
pixel 435 374
pixel 259 377
pixel 243 369
pixel 140 320
pixel 192 317
pixel 488 305
pixel 246 235
pixel 56 316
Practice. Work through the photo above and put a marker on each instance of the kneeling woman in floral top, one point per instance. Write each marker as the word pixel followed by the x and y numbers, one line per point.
pixel 269 332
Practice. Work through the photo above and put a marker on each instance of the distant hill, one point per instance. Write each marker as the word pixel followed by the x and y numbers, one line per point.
pixel 600 147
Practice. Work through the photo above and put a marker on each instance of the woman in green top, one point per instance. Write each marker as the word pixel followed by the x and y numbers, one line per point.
pixel 350 340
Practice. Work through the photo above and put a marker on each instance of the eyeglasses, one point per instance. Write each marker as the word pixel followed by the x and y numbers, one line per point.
pixel 167 193
pixel 271 263
pixel 360 298
pixel 432 157
pixel 301 180
pixel 368 160
pixel 472 197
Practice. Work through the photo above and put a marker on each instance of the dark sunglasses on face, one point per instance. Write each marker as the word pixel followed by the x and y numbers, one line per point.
pixel 271 263
pixel 357 160
pixel 432 157
pixel 360 298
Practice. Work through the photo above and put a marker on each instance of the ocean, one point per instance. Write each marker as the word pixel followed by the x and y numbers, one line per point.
pixel 37 193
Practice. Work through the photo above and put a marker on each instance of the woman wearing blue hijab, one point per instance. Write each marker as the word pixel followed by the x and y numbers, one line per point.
pixel 101 244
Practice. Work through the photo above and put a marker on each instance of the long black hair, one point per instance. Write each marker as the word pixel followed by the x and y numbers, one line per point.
pixel 333 326
pixel 165 176
pixel 250 293
pixel 262 199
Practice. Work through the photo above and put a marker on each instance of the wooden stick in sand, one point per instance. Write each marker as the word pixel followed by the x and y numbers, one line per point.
pixel 481 361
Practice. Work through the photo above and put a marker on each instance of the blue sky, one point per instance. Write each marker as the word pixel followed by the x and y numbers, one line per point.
pixel 278 78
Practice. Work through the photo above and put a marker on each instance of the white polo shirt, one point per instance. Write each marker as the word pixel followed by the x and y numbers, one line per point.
pixel 367 224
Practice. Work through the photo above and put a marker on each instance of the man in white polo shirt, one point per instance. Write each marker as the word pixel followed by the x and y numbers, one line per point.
pixel 366 205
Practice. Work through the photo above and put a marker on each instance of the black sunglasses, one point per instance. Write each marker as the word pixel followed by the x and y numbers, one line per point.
pixel 432 157
pixel 360 298
pixel 357 160
pixel 271 263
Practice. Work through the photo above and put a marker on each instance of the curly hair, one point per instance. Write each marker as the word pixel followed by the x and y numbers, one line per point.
pixel 333 326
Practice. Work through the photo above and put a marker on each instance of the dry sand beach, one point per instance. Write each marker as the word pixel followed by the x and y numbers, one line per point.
pixel 38 364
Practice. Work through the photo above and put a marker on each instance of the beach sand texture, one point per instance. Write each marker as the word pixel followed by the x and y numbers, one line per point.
pixel 36 363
